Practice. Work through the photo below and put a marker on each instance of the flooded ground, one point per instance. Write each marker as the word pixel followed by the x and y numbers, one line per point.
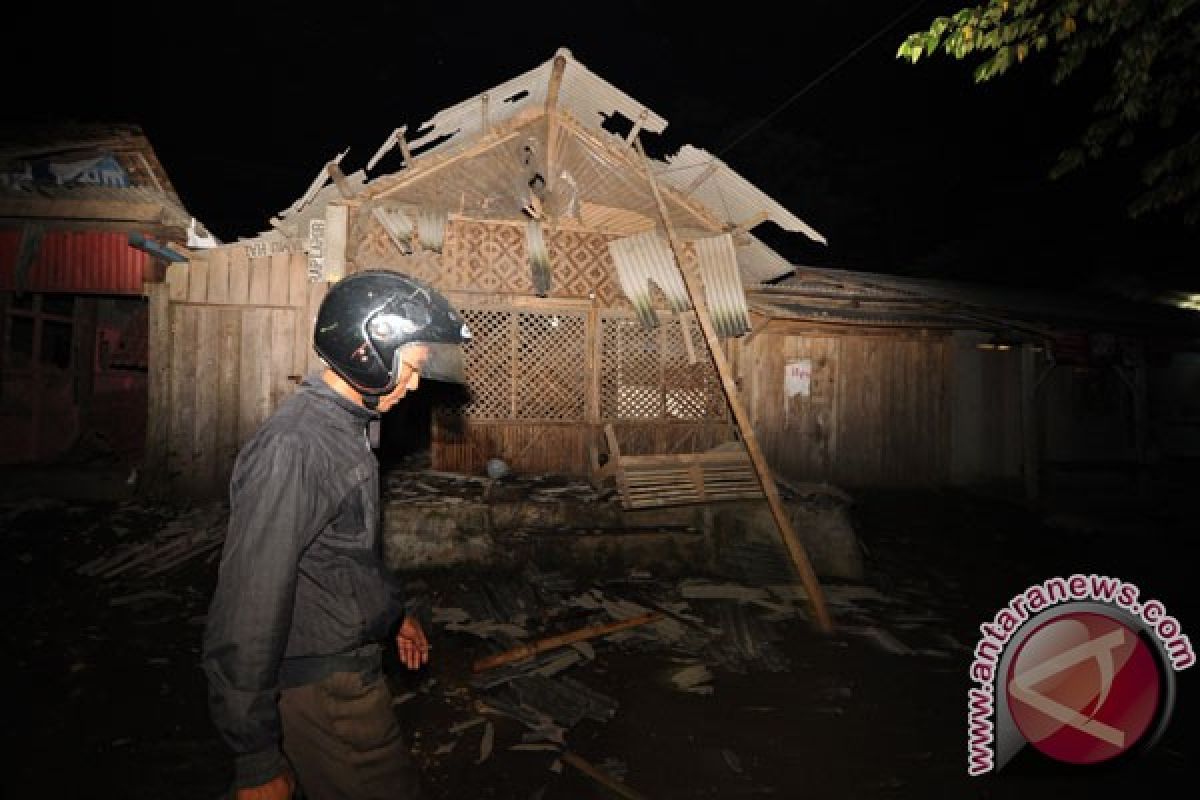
pixel 109 698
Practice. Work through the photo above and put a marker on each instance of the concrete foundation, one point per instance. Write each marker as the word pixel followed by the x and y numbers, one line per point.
pixel 739 539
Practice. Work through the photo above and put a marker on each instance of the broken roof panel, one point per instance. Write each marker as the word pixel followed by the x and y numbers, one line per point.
pixel 483 157
pixel 589 98
pixel 700 174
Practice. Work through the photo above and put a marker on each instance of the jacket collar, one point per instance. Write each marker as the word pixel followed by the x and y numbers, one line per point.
pixel 317 385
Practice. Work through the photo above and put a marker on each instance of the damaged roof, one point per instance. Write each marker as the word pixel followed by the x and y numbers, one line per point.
pixel 503 155
pixel 820 294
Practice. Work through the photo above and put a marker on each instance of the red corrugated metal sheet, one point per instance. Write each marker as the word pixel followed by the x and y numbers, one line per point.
pixel 78 262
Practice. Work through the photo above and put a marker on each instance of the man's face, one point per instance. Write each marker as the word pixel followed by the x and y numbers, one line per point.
pixel 412 358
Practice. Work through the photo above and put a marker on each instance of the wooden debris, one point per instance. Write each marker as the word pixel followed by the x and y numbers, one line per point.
pixel 138 597
pixel 530 650
pixel 485 743
pixel 601 777
pixel 462 726
pixel 690 679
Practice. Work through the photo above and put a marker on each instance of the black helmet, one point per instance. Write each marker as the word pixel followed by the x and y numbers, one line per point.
pixel 367 318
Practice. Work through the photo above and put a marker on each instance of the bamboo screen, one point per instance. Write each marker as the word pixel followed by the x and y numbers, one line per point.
pixel 526 365
pixel 533 365
pixel 645 373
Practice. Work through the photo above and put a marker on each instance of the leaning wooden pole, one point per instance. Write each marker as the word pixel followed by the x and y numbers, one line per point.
pixel 799 557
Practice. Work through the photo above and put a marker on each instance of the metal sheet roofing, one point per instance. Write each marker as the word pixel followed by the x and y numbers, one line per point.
pixel 588 97
pixel 477 160
pixel 647 257
pixel 734 199
pixel 77 262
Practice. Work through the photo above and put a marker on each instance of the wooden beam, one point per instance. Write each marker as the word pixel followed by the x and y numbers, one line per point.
pixel 395 138
pixel 637 128
pixel 745 225
pixel 795 548
pixel 600 776
pixel 339 179
pixel 551 108
pixel 405 179
pixel 67 208
pixel 707 173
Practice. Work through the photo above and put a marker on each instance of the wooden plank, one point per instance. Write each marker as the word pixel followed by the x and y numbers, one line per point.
pixel 204 426
pixel 298 281
pixel 158 388
pixel 316 293
pixel 183 395
pixel 228 357
pixel 218 276
pixel 260 282
pixel 197 281
pixel 280 280
pixel 239 276
pixel 177 280
pixel 283 339
pixel 695 293
pixel 303 326
pixel 254 390
pixel 337 232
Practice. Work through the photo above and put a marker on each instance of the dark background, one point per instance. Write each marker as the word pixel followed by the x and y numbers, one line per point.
pixel 906 169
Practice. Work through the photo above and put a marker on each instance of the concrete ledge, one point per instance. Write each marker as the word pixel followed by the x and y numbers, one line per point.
pixel 739 538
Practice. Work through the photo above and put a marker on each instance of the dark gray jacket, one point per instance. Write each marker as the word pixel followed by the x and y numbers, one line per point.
pixel 303 591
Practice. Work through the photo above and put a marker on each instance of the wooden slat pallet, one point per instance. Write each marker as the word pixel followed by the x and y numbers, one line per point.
pixel 672 480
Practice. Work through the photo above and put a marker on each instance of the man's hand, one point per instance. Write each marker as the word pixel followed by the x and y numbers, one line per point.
pixel 278 788
pixel 411 644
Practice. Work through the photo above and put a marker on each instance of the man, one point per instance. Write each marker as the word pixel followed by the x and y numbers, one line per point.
pixel 292 648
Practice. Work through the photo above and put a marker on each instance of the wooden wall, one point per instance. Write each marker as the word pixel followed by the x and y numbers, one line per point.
pixel 876 411
pixel 230 336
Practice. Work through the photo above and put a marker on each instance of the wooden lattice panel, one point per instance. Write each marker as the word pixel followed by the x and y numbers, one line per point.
pixel 488 362
pixel 525 365
pixel 693 391
pixel 551 356
pixel 630 370
pixel 645 373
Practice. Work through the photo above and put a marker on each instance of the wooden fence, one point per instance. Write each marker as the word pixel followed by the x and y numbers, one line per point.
pixel 230 336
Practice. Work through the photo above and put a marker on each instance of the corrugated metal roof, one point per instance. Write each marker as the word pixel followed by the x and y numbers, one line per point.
pixel 642 258
pixel 882 317
pixel 597 174
pixel 647 257
pixel 78 262
pixel 734 199
pixel 722 285
pixel 589 98
pixel 759 263
pixel 972 305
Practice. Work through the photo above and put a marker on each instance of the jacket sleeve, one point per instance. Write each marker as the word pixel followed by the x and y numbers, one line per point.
pixel 275 512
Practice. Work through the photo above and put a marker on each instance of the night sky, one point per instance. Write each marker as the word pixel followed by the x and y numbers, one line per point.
pixel 906 169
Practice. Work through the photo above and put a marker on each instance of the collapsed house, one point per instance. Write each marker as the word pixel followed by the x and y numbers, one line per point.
pixel 541 225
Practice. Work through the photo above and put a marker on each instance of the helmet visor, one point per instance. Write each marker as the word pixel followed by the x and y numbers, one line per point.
pixel 444 362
